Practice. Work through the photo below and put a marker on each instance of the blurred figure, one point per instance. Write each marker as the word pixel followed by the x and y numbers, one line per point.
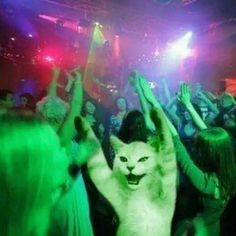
pixel 226 117
pixel 53 109
pixel 33 174
pixel 89 113
pixel 71 215
pixel 26 101
pixel 7 100
pixel 121 106
pixel 227 101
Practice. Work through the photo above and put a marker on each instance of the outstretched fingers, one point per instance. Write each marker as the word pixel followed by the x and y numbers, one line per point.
pixel 147 91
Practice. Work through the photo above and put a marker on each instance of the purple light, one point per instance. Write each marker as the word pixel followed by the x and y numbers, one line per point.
pixel 13 39
pixel 30 35
pixel 156 53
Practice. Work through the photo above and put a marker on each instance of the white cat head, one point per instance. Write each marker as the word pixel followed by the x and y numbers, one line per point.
pixel 134 163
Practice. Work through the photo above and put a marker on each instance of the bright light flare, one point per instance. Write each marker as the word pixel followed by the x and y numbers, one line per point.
pixel 97 24
pixel 189 35
pixel 49 18
pixel 50 55
pixel 49 59
pixel 180 48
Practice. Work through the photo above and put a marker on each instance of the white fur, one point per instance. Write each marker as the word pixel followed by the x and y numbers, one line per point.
pixel 145 209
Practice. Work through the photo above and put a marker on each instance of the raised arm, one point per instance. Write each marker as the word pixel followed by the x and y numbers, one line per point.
pixel 70 82
pixel 166 146
pixel 166 90
pixel 98 168
pixel 52 89
pixel 134 80
pixel 199 179
pixel 202 181
pixel 152 100
pixel 185 98
pixel 209 103
pixel 167 157
pixel 67 129
pixel 171 103
pixel 171 109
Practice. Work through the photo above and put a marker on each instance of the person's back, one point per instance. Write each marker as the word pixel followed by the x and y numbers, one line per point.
pixel 211 214
pixel 71 214
pixel 213 177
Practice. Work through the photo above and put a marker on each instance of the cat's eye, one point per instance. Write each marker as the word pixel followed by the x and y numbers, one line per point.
pixel 142 159
pixel 123 159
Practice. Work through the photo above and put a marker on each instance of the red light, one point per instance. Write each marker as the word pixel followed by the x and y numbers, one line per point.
pixel 117 46
pixel 50 55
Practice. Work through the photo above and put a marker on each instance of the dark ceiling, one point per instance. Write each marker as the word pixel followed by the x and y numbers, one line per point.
pixel 184 13
pixel 213 20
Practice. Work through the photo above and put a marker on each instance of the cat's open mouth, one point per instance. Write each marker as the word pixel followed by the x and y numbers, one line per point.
pixel 134 179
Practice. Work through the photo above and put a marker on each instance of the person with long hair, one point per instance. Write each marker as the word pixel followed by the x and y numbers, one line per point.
pixel 121 105
pixel 133 127
pixel 70 216
pixel 33 173
pixel 214 176
pixel 89 111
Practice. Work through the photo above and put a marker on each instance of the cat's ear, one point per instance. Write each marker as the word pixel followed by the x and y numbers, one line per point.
pixel 116 143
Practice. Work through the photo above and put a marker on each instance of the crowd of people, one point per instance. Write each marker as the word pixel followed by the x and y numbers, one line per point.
pixel 165 167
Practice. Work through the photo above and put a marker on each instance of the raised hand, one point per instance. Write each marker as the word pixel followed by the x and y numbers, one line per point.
pixel 67 130
pixel 70 81
pixel 184 95
pixel 147 91
pixel 133 79
pixel 70 76
pixel 77 73
pixel 201 95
